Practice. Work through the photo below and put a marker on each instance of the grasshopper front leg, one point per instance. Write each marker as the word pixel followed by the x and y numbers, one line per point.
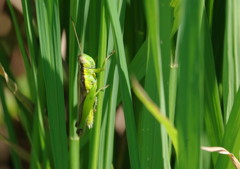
pixel 98 70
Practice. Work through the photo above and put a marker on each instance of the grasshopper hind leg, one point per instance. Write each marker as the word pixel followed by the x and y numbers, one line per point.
pixel 90 118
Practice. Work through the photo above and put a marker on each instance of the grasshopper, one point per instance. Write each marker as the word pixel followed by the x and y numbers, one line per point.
pixel 87 95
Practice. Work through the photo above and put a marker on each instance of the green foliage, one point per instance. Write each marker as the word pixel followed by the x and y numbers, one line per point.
pixel 185 54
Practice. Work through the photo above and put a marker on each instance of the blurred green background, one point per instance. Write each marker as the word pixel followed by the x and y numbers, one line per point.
pixel 180 57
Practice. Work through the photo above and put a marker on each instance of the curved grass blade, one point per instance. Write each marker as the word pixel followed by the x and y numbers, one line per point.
pixel 222 150
pixel 154 110
pixel 150 140
pixel 231 135
pixel 190 84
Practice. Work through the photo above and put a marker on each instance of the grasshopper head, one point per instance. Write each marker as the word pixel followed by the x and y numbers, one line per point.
pixel 87 61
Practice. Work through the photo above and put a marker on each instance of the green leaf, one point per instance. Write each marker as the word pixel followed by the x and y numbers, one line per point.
pixel 212 103
pixel 49 35
pixel 154 110
pixel 231 68
pixel 231 135
pixel 124 86
pixel 190 84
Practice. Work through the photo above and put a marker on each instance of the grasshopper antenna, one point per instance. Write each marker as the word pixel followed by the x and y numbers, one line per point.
pixel 74 28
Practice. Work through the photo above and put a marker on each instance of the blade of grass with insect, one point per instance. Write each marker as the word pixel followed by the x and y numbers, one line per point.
pixel 190 84
pixel 124 86
pixel 49 35
pixel 95 141
pixel 78 13
pixel 10 127
pixel 105 112
pixel 231 135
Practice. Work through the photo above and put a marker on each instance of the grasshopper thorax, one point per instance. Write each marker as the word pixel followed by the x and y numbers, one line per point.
pixel 88 75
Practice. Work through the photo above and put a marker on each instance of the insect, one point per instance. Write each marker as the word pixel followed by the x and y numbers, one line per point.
pixel 88 89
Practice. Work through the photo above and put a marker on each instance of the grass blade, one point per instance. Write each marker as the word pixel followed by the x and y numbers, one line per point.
pixel 212 111
pixel 152 15
pixel 139 60
pixel 78 14
pixel 94 144
pixel 231 69
pixel 109 143
pixel 124 86
pixel 150 136
pixel 190 87
pixel 49 34
pixel 231 135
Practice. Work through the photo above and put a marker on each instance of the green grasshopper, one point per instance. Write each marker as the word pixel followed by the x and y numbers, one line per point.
pixel 88 89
